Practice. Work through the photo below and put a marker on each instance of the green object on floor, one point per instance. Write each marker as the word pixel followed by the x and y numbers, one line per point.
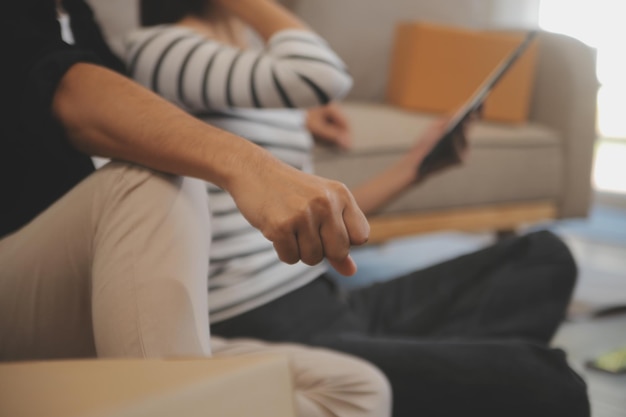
pixel 613 361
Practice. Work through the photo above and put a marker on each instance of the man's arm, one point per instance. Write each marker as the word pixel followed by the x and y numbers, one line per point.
pixel 306 217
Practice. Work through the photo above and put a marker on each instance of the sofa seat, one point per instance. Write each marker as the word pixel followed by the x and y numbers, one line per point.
pixel 253 385
pixel 506 163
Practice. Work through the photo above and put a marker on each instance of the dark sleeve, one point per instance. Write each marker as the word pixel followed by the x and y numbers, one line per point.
pixel 35 59
pixel 87 34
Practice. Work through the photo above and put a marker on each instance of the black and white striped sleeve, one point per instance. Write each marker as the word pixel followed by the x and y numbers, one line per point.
pixel 297 69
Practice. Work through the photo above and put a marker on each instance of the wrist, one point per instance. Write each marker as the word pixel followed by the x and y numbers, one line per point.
pixel 407 169
pixel 240 162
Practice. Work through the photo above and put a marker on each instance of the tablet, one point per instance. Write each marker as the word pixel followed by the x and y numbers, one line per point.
pixel 473 104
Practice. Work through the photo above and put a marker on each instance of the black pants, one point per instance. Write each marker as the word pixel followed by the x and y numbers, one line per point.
pixel 467 337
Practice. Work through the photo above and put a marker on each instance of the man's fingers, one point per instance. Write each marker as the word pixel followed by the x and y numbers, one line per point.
pixel 309 242
pixel 346 266
pixel 333 231
pixel 356 223
pixel 287 248
pixel 336 241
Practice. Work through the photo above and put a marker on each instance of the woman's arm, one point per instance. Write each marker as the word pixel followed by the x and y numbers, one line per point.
pixel 387 185
pixel 379 190
pixel 297 69
pixel 306 217
pixel 266 17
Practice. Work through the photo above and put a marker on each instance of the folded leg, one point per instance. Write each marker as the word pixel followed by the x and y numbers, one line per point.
pixel 518 288
pixel 116 267
pixel 470 378
pixel 327 384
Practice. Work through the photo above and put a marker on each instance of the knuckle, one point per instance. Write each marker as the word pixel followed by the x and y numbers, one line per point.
pixel 279 229
pixel 321 201
pixel 340 188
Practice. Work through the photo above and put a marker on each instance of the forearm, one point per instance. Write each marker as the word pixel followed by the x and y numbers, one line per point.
pixel 306 217
pixel 382 188
pixel 125 121
pixel 266 17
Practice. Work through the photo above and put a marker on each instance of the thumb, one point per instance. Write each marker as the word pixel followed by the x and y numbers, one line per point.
pixel 346 266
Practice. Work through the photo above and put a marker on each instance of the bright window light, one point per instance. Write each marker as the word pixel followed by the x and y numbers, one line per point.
pixel 599 23
pixel 609 170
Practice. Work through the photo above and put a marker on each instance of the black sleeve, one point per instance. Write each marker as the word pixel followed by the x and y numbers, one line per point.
pixel 35 60
pixel 87 34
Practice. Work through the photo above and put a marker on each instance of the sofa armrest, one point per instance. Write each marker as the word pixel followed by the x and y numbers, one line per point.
pixel 255 385
pixel 564 99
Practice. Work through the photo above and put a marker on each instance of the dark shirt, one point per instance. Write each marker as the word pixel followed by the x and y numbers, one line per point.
pixel 37 162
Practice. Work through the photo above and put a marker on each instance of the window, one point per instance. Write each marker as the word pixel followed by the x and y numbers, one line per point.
pixel 600 24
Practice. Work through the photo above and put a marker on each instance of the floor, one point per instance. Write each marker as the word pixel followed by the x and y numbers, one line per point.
pixel 599 246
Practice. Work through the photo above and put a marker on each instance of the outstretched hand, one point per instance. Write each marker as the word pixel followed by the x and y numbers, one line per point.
pixel 329 125
pixel 454 152
pixel 306 217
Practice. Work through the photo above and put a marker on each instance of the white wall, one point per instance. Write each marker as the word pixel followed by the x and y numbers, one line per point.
pixel 116 17
pixel 361 31
pixel 514 13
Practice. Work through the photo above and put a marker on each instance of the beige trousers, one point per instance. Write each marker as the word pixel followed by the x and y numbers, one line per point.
pixel 327 383
pixel 115 268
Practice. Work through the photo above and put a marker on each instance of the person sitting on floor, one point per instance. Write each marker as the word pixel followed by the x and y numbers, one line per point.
pixel 468 336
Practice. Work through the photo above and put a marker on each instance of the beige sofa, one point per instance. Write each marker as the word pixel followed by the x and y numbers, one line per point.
pixel 514 175
pixel 148 387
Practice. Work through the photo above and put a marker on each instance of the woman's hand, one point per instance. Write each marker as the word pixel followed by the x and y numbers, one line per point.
pixel 266 17
pixel 453 152
pixel 329 125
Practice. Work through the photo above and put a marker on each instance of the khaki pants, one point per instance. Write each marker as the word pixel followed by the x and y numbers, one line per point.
pixel 327 383
pixel 118 268
pixel 115 268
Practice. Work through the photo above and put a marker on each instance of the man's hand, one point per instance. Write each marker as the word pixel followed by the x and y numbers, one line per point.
pixel 329 125
pixel 306 217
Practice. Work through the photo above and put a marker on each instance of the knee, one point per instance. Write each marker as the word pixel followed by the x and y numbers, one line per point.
pixel 326 383
pixel 343 386
pixel 123 177
pixel 548 249
pixel 148 192
pixel 551 387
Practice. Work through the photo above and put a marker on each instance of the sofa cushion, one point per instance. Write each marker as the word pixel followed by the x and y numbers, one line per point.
pixel 506 163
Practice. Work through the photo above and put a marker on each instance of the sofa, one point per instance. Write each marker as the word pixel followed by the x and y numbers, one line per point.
pixel 149 387
pixel 514 175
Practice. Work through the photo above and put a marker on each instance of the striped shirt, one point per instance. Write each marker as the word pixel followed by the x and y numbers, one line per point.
pixel 257 95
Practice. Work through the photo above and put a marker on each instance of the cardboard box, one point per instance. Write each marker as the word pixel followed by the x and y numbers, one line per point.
pixel 257 386
pixel 435 68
